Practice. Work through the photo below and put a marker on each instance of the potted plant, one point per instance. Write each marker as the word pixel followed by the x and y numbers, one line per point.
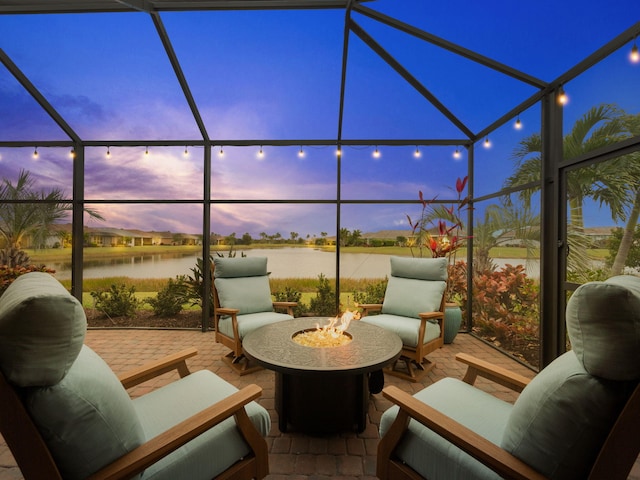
pixel 438 232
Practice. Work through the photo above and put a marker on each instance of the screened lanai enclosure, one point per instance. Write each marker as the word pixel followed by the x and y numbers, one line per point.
pixel 138 137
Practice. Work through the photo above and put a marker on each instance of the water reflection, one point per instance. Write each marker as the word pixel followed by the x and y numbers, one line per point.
pixel 283 263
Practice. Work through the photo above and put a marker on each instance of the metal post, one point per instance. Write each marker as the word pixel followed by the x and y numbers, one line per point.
pixel 77 229
pixel 553 242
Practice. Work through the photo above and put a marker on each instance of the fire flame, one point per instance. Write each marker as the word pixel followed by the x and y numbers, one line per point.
pixel 339 324
pixel 331 335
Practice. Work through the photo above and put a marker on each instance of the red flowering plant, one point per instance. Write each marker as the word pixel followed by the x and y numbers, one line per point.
pixel 439 231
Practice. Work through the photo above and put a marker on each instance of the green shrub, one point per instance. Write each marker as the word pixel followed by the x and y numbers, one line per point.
pixel 118 301
pixel 170 298
pixel 291 295
pixel 373 293
pixel 324 303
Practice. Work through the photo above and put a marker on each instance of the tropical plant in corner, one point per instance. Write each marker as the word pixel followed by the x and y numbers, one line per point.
pixel 439 230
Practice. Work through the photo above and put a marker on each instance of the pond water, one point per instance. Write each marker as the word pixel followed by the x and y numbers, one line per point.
pixel 282 263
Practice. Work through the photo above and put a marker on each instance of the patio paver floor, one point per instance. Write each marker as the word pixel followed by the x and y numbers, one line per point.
pixel 291 455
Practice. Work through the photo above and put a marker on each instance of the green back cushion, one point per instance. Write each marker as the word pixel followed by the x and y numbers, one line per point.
pixel 42 329
pixel 416 286
pixel 243 283
pixel 603 322
pixel 560 420
pixel 87 420
pixel 240 267
pixel 419 268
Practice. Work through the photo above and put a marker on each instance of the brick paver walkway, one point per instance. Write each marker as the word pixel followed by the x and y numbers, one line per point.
pixel 291 455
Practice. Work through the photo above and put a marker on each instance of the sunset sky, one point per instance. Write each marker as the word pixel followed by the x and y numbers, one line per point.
pixel 261 75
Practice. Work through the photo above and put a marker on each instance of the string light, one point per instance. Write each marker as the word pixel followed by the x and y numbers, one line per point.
pixel 108 152
pixel 260 153
pixel 301 152
pixel 72 153
pixel 146 150
pixel 376 153
pixel 417 153
pixel 338 152
pixel 518 124
pixel 186 150
pixel 35 153
pixel 487 143
pixel 634 56
pixel 221 152
pixel 563 98
pixel 457 154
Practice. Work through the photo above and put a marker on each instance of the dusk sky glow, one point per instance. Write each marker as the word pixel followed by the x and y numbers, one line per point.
pixel 275 75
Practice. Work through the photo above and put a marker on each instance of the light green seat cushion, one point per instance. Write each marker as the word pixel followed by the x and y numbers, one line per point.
pixel 42 329
pixel 213 451
pixel 249 322
pixel 405 327
pixel 430 455
pixel 87 420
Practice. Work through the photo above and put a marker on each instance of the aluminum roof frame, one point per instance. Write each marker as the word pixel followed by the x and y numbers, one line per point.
pixel 86 6
pixel 154 7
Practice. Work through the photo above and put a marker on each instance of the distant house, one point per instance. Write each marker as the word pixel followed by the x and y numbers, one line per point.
pixel 115 237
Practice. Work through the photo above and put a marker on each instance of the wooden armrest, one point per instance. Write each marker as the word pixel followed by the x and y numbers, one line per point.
pixel 227 311
pixel 177 361
pixel 491 372
pixel 289 306
pixel 431 315
pixel 158 447
pixel 369 307
pixel 285 304
pixel 487 452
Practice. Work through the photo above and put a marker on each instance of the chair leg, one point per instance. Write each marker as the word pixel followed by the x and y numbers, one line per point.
pixel 240 364
pixel 410 369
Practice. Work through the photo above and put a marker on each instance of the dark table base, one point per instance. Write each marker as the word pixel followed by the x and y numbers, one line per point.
pixel 322 403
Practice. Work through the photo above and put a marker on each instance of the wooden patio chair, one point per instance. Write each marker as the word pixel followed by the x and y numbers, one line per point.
pixel 242 303
pixel 578 418
pixel 65 414
pixel 413 308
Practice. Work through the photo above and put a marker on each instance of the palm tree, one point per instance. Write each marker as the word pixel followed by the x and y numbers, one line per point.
pixel 632 123
pixel 500 220
pixel 606 183
pixel 24 211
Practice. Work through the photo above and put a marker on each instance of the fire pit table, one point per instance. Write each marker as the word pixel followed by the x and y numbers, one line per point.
pixel 321 390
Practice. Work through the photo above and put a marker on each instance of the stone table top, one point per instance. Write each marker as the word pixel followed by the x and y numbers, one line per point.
pixel 371 348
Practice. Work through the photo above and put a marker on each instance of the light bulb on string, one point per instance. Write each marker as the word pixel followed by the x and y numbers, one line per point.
pixel 457 154
pixel 72 153
pixel 634 55
pixel 261 153
pixel 146 151
pixel 417 153
pixel 487 143
pixel 376 153
pixel 35 153
pixel 108 152
pixel 221 152
pixel 518 124
pixel 301 152
pixel 186 150
pixel 563 98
